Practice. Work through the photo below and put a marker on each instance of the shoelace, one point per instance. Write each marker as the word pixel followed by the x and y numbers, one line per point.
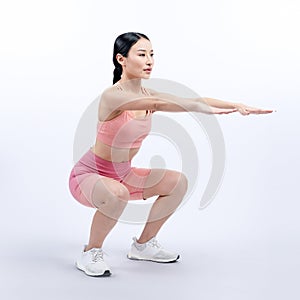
pixel 97 255
pixel 154 243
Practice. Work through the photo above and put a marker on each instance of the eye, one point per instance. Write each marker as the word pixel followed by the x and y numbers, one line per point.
pixel 152 54
pixel 141 54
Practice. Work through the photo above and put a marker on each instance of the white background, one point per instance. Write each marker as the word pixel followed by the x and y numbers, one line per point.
pixel 56 58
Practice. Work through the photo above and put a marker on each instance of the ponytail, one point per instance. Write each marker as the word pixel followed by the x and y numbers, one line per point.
pixel 117 73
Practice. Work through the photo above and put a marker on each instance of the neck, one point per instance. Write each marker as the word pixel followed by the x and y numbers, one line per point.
pixel 133 85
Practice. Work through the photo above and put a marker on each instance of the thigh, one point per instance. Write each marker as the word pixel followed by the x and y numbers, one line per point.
pixel 162 182
pixel 135 181
pixel 93 190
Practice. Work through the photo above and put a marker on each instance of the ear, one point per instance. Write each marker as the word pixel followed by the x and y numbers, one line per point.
pixel 121 59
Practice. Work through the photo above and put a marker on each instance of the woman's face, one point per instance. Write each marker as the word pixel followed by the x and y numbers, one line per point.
pixel 139 61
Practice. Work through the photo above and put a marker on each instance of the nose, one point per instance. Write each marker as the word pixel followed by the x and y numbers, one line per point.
pixel 149 60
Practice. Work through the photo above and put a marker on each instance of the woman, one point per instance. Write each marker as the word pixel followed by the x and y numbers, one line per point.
pixel 104 178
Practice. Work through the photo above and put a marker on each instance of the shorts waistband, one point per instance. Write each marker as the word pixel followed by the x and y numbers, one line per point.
pixel 96 164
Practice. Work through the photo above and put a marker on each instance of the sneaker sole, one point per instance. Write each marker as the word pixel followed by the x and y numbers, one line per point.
pixel 105 274
pixel 157 261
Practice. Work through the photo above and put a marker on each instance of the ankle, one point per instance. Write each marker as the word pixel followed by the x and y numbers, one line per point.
pixel 91 246
pixel 143 240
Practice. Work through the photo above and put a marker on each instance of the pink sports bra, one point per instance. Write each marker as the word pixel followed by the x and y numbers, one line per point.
pixel 124 131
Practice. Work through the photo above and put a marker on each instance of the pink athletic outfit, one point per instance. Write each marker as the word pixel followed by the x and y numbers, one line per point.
pixel 123 131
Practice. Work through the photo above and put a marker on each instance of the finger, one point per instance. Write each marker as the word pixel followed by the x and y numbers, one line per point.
pixel 245 112
pixel 255 112
pixel 263 111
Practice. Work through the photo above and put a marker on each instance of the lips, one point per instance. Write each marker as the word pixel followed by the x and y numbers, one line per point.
pixel 148 70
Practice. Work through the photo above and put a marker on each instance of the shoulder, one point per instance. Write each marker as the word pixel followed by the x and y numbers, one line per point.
pixel 150 92
pixel 108 101
pixel 110 91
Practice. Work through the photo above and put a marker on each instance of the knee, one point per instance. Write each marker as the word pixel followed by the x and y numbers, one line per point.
pixel 117 195
pixel 120 192
pixel 183 182
pixel 179 182
pixel 113 197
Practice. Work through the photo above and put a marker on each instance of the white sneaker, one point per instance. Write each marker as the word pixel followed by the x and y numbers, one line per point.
pixel 91 262
pixel 151 251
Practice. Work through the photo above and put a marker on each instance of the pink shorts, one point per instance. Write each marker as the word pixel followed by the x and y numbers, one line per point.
pixel 90 168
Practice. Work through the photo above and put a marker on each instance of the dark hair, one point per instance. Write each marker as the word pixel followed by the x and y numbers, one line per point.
pixel 122 45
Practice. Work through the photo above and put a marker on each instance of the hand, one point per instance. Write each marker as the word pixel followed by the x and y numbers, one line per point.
pixel 247 110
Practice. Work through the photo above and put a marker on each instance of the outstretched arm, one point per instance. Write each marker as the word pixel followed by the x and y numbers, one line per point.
pixel 115 100
pixel 210 105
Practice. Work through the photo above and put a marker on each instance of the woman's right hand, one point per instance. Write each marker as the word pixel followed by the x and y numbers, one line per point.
pixel 247 110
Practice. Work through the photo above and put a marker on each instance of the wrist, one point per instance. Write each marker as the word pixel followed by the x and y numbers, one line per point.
pixel 236 105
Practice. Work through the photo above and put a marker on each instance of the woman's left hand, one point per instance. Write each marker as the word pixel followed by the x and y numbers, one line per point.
pixel 247 110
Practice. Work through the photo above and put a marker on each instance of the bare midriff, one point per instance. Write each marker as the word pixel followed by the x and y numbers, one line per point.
pixel 113 154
